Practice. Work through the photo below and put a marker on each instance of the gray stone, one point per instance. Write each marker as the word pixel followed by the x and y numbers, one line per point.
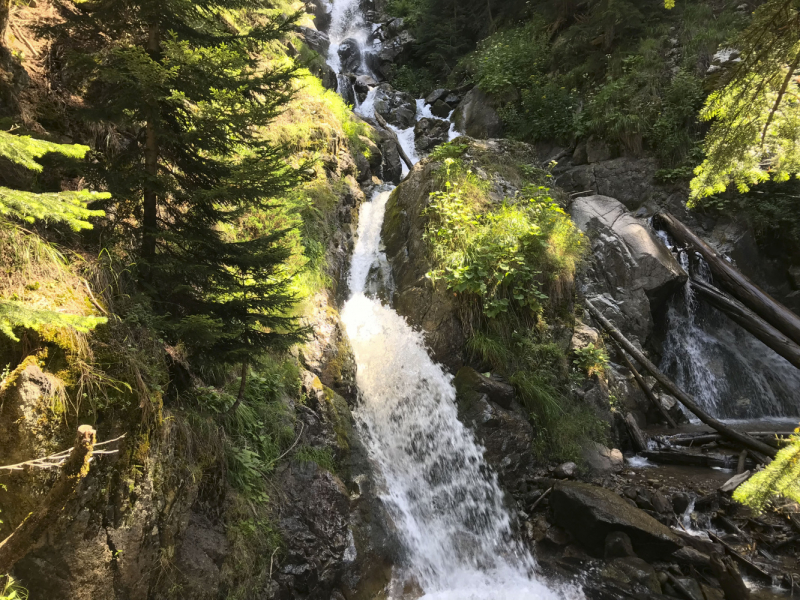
pixel 468 381
pixel 567 470
pixel 597 150
pixel 617 545
pixel 435 96
pixel 477 117
pixel 629 180
pixel 583 335
pixel 601 459
pixel 429 133
pixel 580 156
pixel 680 502
pixel 633 273
pixel 634 571
pixel 441 109
pixel 350 56
pixel 316 40
pixel 592 512
pixel 398 108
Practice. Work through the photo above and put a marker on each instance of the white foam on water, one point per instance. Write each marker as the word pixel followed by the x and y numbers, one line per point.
pixel 444 500
pixel 639 462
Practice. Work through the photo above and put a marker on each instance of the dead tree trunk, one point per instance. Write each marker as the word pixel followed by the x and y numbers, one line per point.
pixel 739 286
pixel 382 122
pixel 646 389
pixel 751 322
pixel 743 439
pixel 20 542
pixel 639 439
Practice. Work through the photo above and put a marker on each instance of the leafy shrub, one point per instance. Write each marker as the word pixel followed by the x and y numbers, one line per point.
pixel 591 360
pixel 512 59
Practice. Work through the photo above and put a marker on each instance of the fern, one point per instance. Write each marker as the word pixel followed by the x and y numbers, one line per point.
pixel 16 314
pixel 779 479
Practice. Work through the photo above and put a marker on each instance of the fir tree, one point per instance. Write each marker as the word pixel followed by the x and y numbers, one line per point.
pixel 56 207
pixel 779 479
pixel 194 91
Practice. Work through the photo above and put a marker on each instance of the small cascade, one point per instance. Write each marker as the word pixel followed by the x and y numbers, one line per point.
pixel 731 374
pixel 446 504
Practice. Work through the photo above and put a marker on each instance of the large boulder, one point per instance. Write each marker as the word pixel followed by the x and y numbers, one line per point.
pixel 315 39
pixel 429 133
pixel 350 56
pixel 632 272
pixel 476 116
pixel 591 513
pixel 398 108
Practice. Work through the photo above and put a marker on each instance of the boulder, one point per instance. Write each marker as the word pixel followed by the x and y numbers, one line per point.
pixel 315 39
pixel 633 273
pixel 429 133
pixel 435 96
pixel 350 56
pixel 469 383
pixel 597 150
pixel 441 109
pixel 398 108
pixel 322 15
pixel 618 545
pixel 590 513
pixel 583 335
pixel 476 116
pixel 567 470
pixel 601 459
pixel 397 46
pixel 392 165
pixel 633 571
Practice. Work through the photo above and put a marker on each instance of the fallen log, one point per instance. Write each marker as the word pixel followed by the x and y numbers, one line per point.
pixel 749 321
pixel 730 580
pixel 745 440
pixel 745 562
pixel 639 438
pixel 739 286
pixel 36 524
pixel 382 122
pixel 691 459
pixel 646 389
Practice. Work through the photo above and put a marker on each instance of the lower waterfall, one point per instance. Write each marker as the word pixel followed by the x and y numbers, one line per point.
pixel 444 500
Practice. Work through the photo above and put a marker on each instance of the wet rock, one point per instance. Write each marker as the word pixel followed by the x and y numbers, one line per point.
pixel 375 156
pixel 680 502
pixel 435 96
pixel 364 83
pixel 601 459
pixel 429 133
pixel 452 99
pixel 558 536
pixel 441 109
pixel 618 545
pixel 392 165
pixel 634 571
pixel 469 382
pixel 398 108
pixel 691 556
pixel 477 117
pixel 690 587
pixel 399 45
pixel 597 150
pixel 567 470
pixel 350 56
pixel 322 16
pixel 632 273
pixel 590 513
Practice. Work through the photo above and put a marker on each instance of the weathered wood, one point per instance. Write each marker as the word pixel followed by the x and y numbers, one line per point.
pixel 382 122
pixel 745 562
pixel 692 459
pixel 728 277
pixel 742 462
pixel 730 580
pixel 646 389
pixel 683 397
pixel 20 542
pixel 749 321
pixel 639 438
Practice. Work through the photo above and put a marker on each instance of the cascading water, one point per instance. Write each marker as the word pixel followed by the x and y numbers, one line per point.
pixel 730 373
pixel 445 502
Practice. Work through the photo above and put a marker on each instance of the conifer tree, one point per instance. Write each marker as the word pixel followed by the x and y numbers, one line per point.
pixel 194 90
pixel 68 208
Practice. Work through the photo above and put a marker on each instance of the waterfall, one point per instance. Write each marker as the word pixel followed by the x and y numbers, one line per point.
pixel 447 507
pixel 731 374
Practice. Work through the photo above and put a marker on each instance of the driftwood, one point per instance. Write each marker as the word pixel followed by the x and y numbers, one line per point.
pixel 730 580
pixel 692 459
pixel 751 322
pixel 20 542
pixel 742 462
pixel 743 439
pixel 745 562
pixel 646 389
pixel 639 438
pixel 739 286
pixel 382 122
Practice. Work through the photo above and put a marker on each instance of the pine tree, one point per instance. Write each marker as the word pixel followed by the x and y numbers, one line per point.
pixel 755 131
pixel 56 207
pixel 194 90
pixel 779 479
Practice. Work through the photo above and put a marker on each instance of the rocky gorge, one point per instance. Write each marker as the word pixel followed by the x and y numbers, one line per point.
pixel 424 478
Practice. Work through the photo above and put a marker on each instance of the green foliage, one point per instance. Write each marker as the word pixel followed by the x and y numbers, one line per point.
pixel 591 360
pixel 14 315
pixel 323 457
pixel 11 589
pixel 756 115
pixel 779 479
pixel 24 150
pixel 506 258
pixel 447 150
pixel 54 207
pixel 512 60
pixel 416 81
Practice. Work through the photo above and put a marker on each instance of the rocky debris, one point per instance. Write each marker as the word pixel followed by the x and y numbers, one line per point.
pixel 632 273
pixel 618 545
pixel 477 116
pixel 591 513
pixel 633 571
pixel 393 49
pixel 398 108
pixel 429 133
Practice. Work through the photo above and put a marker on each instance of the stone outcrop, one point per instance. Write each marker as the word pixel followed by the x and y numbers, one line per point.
pixel 429 133
pixel 398 108
pixel 632 273
pixel 591 513
pixel 477 116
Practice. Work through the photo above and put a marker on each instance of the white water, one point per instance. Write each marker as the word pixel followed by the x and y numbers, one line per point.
pixel 445 502
pixel 347 21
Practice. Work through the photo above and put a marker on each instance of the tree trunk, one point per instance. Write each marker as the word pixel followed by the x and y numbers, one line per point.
pixel 647 391
pixel 743 439
pixel 751 322
pixel 151 155
pixel 5 15
pixel 739 286
pixel 242 386
pixel 22 540
pixel 639 438
pixel 382 122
